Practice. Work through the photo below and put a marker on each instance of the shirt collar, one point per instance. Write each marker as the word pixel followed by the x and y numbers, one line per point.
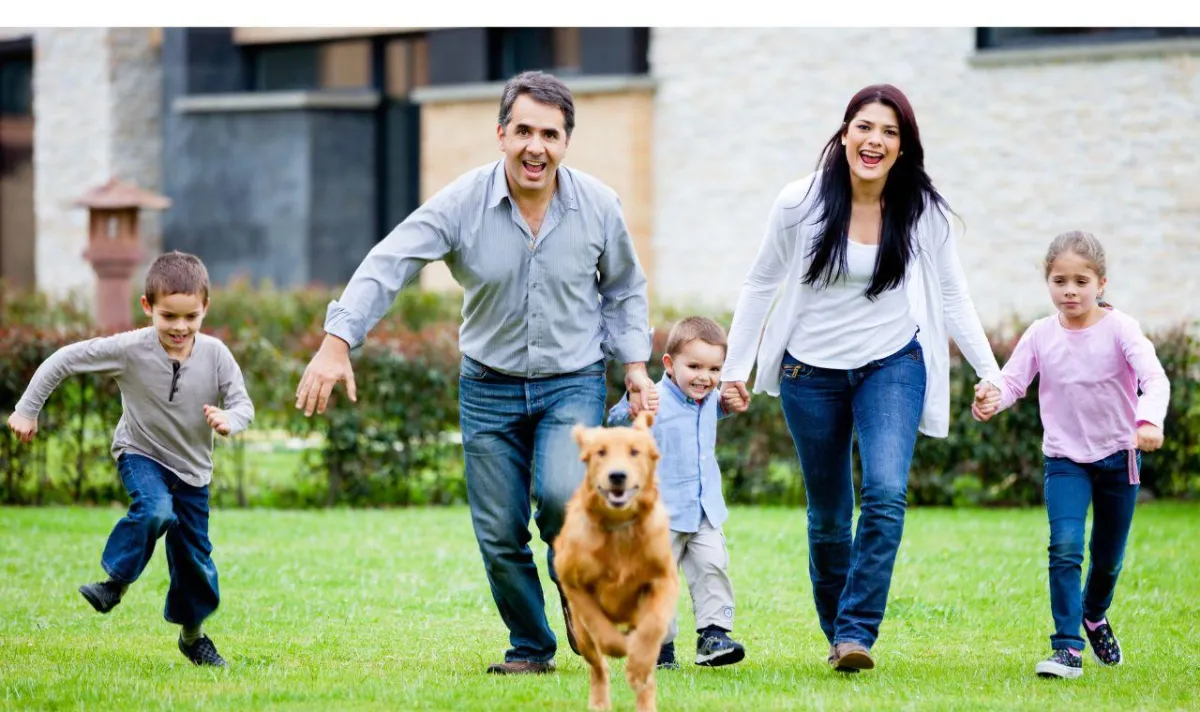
pixel 674 389
pixel 564 191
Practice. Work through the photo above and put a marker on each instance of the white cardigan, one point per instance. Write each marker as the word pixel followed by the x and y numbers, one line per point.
pixel 937 292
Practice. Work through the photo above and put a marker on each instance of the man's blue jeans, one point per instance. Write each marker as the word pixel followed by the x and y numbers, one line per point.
pixel 882 402
pixel 517 443
pixel 1069 488
pixel 162 504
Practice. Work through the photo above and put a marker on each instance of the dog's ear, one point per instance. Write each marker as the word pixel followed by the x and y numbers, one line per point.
pixel 644 420
pixel 580 435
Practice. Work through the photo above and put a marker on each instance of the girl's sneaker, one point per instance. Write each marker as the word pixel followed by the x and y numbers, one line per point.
pixel 1061 664
pixel 1105 647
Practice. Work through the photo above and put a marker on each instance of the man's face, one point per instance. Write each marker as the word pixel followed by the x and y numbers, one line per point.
pixel 534 142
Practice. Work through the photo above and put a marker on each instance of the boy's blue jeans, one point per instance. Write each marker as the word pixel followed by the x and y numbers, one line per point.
pixel 516 444
pixel 1069 488
pixel 882 402
pixel 164 504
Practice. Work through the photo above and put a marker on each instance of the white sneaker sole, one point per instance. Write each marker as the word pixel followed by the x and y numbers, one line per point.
pixel 1047 668
pixel 720 658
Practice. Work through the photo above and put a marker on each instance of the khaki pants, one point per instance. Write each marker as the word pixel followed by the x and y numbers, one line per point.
pixel 705 561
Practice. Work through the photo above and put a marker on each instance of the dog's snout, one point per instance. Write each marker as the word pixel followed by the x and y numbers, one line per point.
pixel 617 478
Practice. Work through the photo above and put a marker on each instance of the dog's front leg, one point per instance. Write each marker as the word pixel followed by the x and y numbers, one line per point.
pixel 587 613
pixel 654 616
pixel 598 697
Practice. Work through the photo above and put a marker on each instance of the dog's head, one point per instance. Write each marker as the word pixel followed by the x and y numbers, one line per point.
pixel 621 466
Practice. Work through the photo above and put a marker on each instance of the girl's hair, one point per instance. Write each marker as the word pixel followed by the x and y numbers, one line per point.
pixel 906 194
pixel 1086 246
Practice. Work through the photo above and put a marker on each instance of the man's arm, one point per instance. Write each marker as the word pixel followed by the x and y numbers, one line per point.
pixel 426 235
pixel 625 308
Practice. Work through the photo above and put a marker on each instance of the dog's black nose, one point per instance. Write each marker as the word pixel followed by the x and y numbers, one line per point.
pixel 617 479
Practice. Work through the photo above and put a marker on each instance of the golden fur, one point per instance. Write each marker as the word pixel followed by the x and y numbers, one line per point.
pixel 613 558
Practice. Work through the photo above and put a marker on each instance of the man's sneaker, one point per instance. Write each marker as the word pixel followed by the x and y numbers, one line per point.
pixel 103 595
pixel 1105 647
pixel 714 648
pixel 567 619
pixel 1061 664
pixel 520 667
pixel 201 652
pixel 666 657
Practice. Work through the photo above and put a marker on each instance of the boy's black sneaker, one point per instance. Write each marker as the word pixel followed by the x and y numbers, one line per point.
pixel 714 648
pixel 201 652
pixel 666 657
pixel 103 595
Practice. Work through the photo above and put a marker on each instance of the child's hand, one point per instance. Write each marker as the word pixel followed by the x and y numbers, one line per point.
pixel 25 428
pixel 1149 437
pixel 735 397
pixel 217 419
pixel 734 403
pixel 979 415
pixel 987 401
pixel 641 391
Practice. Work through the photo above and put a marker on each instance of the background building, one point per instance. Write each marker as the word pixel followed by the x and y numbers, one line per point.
pixel 289 152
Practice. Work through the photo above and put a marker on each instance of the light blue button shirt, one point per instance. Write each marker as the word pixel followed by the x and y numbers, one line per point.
pixel 686 433
pixel 533 305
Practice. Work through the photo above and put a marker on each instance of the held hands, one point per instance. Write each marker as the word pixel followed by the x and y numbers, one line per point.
pixel 330 365
pixel 735 397
pixel 1149 437
pixel 643 395
pixel 217 420
pixel 987 401
pixel 26 428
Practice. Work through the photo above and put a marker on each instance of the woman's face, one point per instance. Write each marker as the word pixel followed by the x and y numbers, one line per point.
pixel 872 141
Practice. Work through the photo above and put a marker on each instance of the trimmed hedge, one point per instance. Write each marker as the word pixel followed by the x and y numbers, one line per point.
pixel 397 446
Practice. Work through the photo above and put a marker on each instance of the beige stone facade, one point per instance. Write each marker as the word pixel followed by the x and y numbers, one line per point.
pixel 97 98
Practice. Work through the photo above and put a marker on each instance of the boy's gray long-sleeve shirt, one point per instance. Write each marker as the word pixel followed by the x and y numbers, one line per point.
pixel 162 399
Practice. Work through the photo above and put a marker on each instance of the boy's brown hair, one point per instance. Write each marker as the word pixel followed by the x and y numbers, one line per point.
pixel 695 327
pixel 176 272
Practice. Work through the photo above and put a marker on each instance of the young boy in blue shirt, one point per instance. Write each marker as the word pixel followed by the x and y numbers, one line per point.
pixel 685 429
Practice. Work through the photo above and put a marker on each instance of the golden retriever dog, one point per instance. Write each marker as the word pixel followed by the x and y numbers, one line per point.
pixel 613 558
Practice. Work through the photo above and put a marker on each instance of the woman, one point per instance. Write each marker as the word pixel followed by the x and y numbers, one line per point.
pixel 872 287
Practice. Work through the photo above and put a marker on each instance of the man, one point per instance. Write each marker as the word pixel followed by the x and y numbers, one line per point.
pixel 552 286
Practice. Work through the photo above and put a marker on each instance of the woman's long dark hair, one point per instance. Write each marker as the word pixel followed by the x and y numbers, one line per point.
pixel 906 193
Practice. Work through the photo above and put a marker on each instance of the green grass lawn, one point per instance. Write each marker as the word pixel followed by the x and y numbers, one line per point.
pixel 391 610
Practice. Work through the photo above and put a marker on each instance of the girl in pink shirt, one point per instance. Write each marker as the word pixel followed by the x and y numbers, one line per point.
pixel 1091 359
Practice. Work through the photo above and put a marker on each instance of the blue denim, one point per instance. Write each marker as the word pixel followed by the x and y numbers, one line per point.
pixel 1069 488
pixel 161 503
pixel 881 402
pixel 517 444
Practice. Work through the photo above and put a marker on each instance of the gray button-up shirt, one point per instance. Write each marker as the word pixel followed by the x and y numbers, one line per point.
pixel 533 306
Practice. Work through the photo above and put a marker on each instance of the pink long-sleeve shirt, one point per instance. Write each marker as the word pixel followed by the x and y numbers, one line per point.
pixel 1088 389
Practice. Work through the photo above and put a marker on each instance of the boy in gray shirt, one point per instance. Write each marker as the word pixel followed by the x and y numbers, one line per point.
pixel 178 386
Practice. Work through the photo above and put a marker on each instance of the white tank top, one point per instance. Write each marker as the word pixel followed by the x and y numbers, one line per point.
pixel 840 328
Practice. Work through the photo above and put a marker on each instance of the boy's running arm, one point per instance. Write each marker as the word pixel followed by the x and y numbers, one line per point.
pixel 235 401
pixel 104 355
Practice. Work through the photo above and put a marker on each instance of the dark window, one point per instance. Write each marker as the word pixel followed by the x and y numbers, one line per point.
pixel 512 50
pixel 311 65
pixel 16 86
pixel 1024 37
